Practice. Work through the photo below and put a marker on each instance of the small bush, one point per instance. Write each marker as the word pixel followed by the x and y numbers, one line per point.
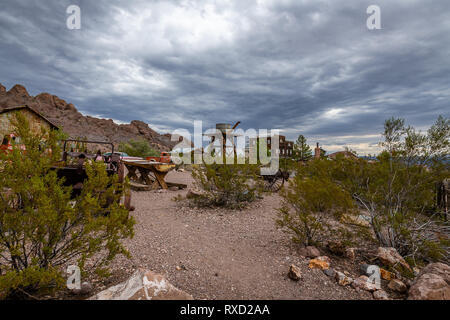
pixel 308 205
pixel 43 228
pixel 231 185
pixel 138 148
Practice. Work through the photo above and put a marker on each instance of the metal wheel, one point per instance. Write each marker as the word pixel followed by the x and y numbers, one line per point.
pixel 273 183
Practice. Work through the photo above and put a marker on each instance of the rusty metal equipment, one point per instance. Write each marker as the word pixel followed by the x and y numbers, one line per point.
pixel 272 183
pixel 72 166
pixel 151 174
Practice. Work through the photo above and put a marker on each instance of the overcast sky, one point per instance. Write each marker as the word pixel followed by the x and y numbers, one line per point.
pixel 302 66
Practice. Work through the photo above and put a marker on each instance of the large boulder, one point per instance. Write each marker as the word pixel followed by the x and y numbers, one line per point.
pixel 432 283
pixel 390 257
pixel 143 285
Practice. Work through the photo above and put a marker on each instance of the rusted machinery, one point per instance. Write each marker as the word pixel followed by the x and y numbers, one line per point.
pixel 150 174
pixel 72 166
pixel 272 183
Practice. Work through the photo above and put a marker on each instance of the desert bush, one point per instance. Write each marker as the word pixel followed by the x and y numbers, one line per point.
pixel 43 228
pixel 138 148
pixel 309 203
pixel 398 189
pixel 230 185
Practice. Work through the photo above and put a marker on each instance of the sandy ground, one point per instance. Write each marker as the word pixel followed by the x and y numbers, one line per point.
pixel 220 254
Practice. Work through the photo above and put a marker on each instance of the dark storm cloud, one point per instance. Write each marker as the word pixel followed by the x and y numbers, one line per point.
pixel 309 67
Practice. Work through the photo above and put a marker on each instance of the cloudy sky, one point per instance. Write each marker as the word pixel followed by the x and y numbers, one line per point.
pixel 302 66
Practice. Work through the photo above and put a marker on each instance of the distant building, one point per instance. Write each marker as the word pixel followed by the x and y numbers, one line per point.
pixel 345 154
pixel 36 120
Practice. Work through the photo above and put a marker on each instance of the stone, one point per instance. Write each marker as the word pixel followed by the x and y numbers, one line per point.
pixel 386 275
pixel 19 90
pixel 330 272
pixel 380 295
pixel 364 268
pixel 370 269
pixel 322 263
pixel 342 279
pixel 336 247
pixel 85 288
pixel 363 282
pixel 432 283
pixel 193 193
pixel 294 273
pixel 390 257
pixel 416 271
pixel 174 189
pixel 309 252
pixel 350 253
pixel 143 285
pixel 397 286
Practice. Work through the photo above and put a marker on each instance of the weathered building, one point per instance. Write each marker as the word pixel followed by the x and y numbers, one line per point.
pixel 35 119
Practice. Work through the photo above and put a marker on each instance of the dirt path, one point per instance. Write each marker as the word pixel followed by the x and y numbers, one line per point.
pixel 222 254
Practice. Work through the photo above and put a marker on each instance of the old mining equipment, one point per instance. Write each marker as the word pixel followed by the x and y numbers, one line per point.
pixel 72 165
pixel 275 182
pixel 272 183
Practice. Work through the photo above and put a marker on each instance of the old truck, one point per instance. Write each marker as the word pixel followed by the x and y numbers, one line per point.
pixel 164 158
pixel 72 165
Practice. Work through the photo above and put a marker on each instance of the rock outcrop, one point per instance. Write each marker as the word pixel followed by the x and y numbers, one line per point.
pixel 66 116
pixel 432 283
pixel 143 285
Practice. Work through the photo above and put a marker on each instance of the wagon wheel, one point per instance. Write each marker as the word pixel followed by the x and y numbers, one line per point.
pixel 273 183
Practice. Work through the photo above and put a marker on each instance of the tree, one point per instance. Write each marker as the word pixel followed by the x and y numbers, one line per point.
pixel 302 151
pixel 138 148
pixel 309 203
pixel 397 191
pixel 43 226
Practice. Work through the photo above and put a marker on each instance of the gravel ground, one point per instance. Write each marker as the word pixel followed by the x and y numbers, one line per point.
pixel 220 254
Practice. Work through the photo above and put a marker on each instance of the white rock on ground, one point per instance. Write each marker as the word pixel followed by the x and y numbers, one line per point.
pixel 143 285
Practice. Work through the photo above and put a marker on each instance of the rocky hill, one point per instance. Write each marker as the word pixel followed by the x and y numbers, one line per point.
pixel 67 117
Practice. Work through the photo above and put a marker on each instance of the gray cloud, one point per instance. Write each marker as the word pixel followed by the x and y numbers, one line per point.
pixel 308 67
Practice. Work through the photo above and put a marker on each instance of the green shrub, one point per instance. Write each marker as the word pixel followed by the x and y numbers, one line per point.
pixel 43 228
pixel 398 190
pixel 138 148
pixel 231 185
pixel 309 203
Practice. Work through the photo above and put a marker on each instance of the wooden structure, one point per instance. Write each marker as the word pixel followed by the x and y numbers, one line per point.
pixel 151 174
